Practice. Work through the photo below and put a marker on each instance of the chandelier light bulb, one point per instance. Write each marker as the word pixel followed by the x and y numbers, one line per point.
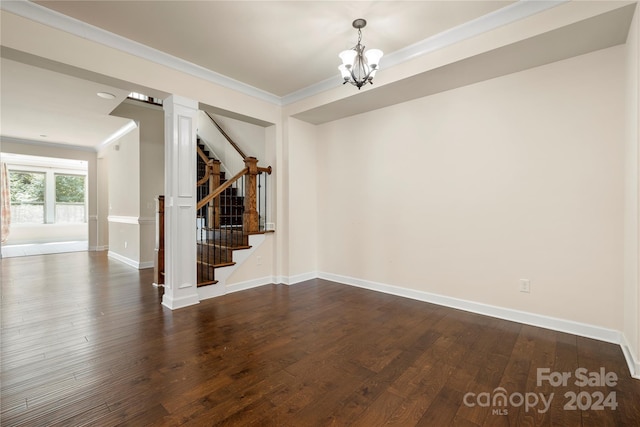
pixel 347 57
pixel 346 75
pixel 373 57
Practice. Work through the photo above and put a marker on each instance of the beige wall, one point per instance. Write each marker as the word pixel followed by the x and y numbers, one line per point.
pixel 465 192
pixel 135 179
pixel 303 198
pixel 123 162
pixel 103 202
pixel 151 124
pixel 632 195
pixel 124 175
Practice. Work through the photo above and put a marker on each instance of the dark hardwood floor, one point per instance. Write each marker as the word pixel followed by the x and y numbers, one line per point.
pixel 85 341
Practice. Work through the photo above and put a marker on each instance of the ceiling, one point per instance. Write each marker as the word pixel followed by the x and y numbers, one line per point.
pixel 41 105
pixel 279 48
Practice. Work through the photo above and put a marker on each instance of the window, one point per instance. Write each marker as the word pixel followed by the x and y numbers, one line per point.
pixel 27 196
pixel 47 190
pixel 70 205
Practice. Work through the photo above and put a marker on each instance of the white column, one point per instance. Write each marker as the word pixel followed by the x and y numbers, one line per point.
pixel 180 289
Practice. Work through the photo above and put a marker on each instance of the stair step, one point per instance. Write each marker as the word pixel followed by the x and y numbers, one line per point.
pixel 218 265
pixel 223 247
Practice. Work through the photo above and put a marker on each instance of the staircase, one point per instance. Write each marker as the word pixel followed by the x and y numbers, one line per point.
pixel 220 228
pixel 228 212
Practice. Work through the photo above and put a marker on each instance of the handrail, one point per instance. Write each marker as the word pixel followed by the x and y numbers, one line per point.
pixel 205 178
pixel 221 188
pixel 202 155
pixel 228 138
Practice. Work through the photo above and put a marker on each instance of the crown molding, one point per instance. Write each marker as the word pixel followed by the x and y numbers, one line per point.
pixel 131 125
pixel 51 18
pixel 47 144
pixel 514 12
pixel 504 16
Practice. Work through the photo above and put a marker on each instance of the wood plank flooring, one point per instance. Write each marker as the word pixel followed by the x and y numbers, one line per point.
pixel 85 341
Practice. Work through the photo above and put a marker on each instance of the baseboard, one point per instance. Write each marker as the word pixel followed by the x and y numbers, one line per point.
pixel 560 325
pixel 175 303
pixel 632 361
pixel 131 262
pixel 146 264
pixel 248 284
pixel 292 280
pixel 210 291
pixel 98 248
pixel 124 259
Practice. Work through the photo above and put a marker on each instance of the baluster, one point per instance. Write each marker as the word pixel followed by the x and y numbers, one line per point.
pixel 260 213
pixel 214 182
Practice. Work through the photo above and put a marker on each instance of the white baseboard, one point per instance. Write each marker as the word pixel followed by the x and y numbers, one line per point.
pixel 129 261
pixel 175 303
pixel 632 360
pixel 561 325
pixel 292 280
pixel 547 322
pixel 146 264
pixel 124 259
pixel 99 248
pixel 210 291
pixel 254 283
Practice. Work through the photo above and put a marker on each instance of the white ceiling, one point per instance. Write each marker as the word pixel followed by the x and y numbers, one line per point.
pixel 41 105
pixel 277 46
pixel 281 48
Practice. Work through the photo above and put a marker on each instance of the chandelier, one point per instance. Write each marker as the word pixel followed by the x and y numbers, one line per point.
pixel 359 67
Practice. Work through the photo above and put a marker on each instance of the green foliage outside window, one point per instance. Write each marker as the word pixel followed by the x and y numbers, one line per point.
pixel 27 187
pixel 69 189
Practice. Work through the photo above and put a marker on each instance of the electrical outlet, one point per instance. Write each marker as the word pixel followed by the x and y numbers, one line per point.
pixel 259 260
pixel 525 285
pixel 126 244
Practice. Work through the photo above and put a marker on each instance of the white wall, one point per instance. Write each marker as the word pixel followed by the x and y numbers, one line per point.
pixel 231 161
pixel 46 233
pixel 249 137
pixel 632 196
pixel 465 192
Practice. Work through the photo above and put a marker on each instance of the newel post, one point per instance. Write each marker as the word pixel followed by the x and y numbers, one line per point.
pixel 250 217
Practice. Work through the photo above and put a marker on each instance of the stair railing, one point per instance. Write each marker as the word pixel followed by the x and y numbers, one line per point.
pixel 254 216
pixel 227 137
pixel 227 212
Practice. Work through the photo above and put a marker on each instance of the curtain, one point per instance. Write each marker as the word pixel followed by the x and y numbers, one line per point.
pixel 5 200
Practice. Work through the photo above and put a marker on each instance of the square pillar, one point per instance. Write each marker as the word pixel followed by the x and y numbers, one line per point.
pixel 180 120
